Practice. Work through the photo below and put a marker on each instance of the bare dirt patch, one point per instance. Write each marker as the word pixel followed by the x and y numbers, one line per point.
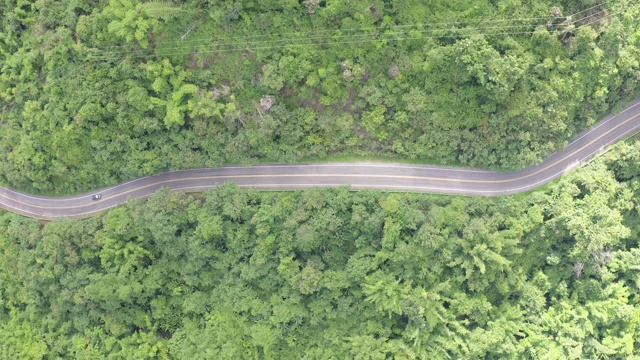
pixel 352 96
pixel 206 63
pixel 365 77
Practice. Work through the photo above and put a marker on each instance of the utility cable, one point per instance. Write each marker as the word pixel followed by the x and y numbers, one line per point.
pixel 109 55
pixel 259 45
pixel 478 21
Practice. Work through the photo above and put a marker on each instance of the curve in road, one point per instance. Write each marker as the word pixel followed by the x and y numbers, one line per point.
pixel 437 179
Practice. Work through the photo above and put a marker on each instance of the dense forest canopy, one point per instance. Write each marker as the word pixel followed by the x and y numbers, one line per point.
pixel 334 274
pixel 94 92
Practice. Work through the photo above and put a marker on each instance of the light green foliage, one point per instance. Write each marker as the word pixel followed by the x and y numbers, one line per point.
pixel 271 79
pixel 179 103
pixel 589 209
pixel 130 21
pixel 373 121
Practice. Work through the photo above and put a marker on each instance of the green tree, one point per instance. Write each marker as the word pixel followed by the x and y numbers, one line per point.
pixel 131 21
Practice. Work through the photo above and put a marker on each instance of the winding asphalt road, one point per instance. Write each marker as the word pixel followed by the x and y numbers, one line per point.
pixel 437 179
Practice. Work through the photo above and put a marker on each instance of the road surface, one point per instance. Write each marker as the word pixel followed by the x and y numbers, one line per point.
pixel 424 178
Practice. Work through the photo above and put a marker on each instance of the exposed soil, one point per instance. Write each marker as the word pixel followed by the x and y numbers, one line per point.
pixel 362 132
pixel 206 63
pixel 365 77
pixel 352 96
pixel 164 333
pixel 597 17
pixel 312 102
pixel 193 60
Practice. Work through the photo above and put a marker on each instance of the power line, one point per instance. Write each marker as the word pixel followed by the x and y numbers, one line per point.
pixel 68 68
pixel 478 21
pixel 398 39
pixel 311 32
pixel 260 44
pixel 109 55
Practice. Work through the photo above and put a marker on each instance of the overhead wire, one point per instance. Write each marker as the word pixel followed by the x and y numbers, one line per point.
pixel 478 21
pixel 390 40
pixel 298 37
pixel 259 45
pixel 111 55
pixel 311 32
pixel 280 43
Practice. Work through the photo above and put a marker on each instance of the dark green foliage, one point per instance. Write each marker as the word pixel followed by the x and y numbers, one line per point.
pixel 330 273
